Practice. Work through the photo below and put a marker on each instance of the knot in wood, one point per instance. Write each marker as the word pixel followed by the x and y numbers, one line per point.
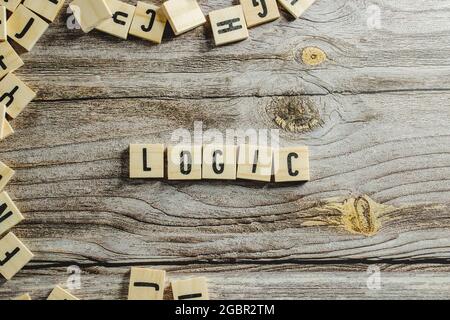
pixel 313 56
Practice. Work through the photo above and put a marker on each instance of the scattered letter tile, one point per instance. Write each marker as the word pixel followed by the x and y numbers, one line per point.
pixel 15 94
pixel 184 162
pixel 10 5
pixel 3 19
pixel 6 173
pixel 7 130
pixel 255 163
pixel 291 164
pixel 148 23
pixel 119 24
pixel 228 25
pixel 9 59
pixel 296 7
pixel 146 161
pixel 47 9
pixel 257 12
pixel 25 27
pixel 13 256
pixel 190 289
pixel 90 13
pixel 146 284
pixel 183 15
pixel 59 293
pixel 9 214
pixel 219 162
pixel 25 296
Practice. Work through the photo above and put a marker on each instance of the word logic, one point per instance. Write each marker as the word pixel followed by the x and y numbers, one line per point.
pixel 224 162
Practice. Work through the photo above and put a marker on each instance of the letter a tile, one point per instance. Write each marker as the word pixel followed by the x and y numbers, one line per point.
pixel 13 256
pixel 228 25
pixel 122 16
pixel 25 27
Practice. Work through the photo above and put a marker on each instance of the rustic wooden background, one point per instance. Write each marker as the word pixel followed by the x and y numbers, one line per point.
pixel 380 189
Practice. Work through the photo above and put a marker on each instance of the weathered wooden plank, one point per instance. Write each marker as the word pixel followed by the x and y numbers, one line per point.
pixel 260 282
pixel 409 53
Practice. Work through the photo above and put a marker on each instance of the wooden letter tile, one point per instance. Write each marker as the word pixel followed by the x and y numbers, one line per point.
pixel 10 5
pixel 183 15
pixel 59 293
pixel 13 256
pixel 7 130
pixel 119 24
pixel 15 94
pixel 146 284
pixel 292 164
pixel 90 13
pixel 184 162
pixel 146 161
pixel 255 163
pixel 6 173
pixel 219 162
pixel 25 27
pixel 3 19
pixel 9 59
pixel 228 25
pixel 47 9
pixel 9 214
pixel 257 12
pixel 149 22
pixel 296 7
pixel 190 289
pixel 25 296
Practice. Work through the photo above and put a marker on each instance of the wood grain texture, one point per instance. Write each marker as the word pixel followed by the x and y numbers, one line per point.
pixel 374 115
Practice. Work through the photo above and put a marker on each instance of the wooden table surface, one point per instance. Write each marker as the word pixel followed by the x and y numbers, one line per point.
pixel 379 198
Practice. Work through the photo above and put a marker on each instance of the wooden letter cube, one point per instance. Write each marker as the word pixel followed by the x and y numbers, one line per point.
pixel 59 293
pixel 7 130
pixel 255 163
pixel 184 162
pixel 219 162
pixel 146 161
pixel 25 27
pixel 183 15
pixel 146 284
pixel 9 59
pixel 292 164
pixel 228 25
pixel 47 9
pixel 148 23
pixel 10 5
pixel 90 13
pixel 9 214
pixel 257 12
pixel 15 94
pixel 296 7
pixel 13 256
pixel 122 16
pixel 3 19
pixel 6 173
pixel 190 289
